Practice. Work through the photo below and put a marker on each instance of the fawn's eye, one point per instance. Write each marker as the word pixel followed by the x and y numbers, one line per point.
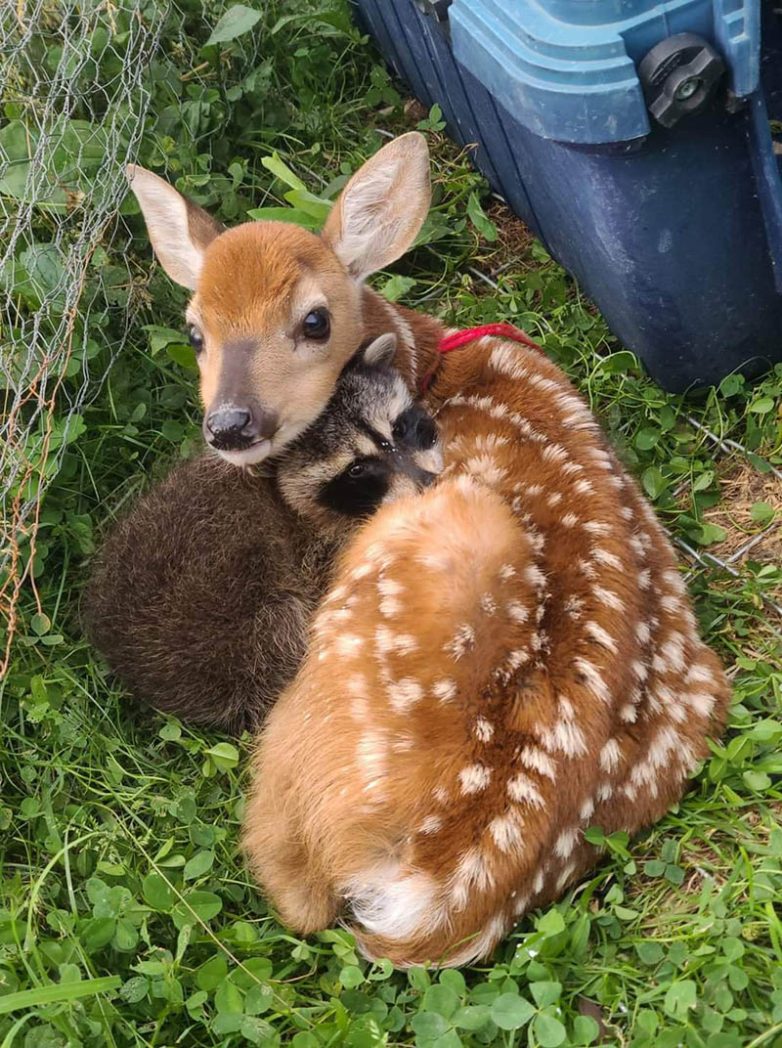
pixel 316 325
pixel 196 338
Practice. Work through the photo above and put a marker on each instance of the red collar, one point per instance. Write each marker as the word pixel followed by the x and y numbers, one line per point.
pixel 457 339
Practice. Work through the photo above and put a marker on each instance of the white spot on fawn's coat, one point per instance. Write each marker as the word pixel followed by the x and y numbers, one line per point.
pixel 474 778
pixel 404 693
pixel 521 788
pixel 539 761
pixel 462 641
pixel 444 690
pixel 506 831
pixel 610 755
pixel 348 645
pixel 483 729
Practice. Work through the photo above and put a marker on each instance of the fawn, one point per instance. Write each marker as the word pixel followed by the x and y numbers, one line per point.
pixel 501 661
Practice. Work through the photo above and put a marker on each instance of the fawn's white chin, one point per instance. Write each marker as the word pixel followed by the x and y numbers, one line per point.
pixel 248 456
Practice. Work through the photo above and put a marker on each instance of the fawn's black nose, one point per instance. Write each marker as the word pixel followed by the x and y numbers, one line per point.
pixel 227 421
pixel 229 427
pixel 233 428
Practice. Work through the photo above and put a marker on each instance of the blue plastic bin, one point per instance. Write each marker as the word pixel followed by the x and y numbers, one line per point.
pixel 642 157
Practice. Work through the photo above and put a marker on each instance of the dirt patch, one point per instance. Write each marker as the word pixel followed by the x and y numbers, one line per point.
pixel 514 239
pixel 415 111
pixel 741 487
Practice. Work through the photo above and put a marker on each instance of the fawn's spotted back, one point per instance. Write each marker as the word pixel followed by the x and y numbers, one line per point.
pixel 503 662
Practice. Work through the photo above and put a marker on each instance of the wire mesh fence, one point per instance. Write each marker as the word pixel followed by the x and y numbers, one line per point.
pixel 73 83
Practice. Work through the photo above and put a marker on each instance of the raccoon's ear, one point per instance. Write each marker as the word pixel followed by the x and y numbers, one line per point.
pixel 382 350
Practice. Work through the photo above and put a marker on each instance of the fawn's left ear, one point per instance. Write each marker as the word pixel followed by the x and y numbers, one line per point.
pixel 382 350
pixel 382 208
pixel 180 230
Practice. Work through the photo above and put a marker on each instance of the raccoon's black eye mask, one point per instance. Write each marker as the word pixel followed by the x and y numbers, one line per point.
pixel 359 489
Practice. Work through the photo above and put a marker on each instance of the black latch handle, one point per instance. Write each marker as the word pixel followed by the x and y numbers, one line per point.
pixel 679 77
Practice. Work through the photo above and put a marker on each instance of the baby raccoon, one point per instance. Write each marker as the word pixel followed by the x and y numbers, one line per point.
pixel 201 597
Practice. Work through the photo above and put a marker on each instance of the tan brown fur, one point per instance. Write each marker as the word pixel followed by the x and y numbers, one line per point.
pixel 579 694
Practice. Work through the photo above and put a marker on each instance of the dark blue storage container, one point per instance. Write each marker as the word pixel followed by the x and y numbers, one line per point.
pixel 634 138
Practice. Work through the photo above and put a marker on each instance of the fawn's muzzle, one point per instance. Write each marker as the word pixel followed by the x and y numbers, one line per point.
pixel 230 427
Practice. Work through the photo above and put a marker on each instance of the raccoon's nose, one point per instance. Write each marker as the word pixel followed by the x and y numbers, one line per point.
pixel 231 427
pixel 425 431
pixel 421 477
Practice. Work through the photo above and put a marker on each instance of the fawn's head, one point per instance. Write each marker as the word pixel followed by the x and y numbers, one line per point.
pixel 276 309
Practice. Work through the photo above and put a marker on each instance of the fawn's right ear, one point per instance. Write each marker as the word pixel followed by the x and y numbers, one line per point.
pixel 179 230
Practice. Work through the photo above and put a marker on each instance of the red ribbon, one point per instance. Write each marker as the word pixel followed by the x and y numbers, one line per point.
pixel 460 338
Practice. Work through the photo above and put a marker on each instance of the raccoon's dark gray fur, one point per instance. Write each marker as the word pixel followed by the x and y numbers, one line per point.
pixel 201 597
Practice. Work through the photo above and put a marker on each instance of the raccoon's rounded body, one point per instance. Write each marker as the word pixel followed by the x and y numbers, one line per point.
pixel 201 597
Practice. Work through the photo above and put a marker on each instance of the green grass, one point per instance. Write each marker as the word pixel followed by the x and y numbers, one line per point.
pixel 127 916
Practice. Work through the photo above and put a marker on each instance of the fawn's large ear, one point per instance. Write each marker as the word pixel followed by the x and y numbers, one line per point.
pixel 381 209
pixel 179 230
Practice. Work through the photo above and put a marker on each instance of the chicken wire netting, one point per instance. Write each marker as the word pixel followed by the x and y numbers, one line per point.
pixel 74 101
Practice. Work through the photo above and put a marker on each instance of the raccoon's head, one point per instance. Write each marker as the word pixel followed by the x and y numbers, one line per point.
pixel 372 444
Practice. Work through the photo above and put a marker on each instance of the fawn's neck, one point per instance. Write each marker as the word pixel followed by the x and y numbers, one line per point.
pixel 417 334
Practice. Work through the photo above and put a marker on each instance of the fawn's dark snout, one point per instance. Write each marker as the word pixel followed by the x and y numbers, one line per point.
pixel 233 426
